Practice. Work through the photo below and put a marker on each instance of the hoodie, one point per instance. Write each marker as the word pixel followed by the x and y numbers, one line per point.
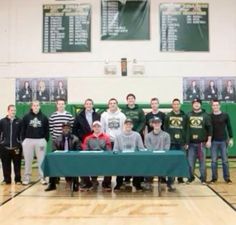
pixel 35 126
pixel 128 141
pixel 175 125
pixel 137 115
pixel 112 123
pixel 199 127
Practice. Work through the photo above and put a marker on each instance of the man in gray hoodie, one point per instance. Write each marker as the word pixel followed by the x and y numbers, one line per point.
pixel 158 140
pixel 128 140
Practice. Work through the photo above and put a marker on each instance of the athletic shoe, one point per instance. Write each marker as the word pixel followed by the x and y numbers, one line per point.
pixel 50 187
pixel 117 188
pixel 26 181
pixel 106 187
pixel 4 182
pixel 43 181
pixel 86 187
pixel 228 181
pixel 203 182
pixel 18 183
pixel 171 189
pixel 180 180
pixel 213 181
pixel 190 180
pixel 139 188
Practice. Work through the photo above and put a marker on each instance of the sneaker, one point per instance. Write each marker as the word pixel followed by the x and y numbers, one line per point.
pixel 147 186
pixel 171 189
pixel 228 181
pixel 4 182
pixel 26 181
pixel 50 187
pixel 180 180
pixel 139 188
pixel 213 181
pixel 106 187
pixel 43 181
pixel 190 180
pixel 86 187
pixel 117 188
pixel 18 183
pixel 203 182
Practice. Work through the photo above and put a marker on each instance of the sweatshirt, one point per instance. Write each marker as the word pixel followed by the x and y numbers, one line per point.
pixel 222 129
pixel 159 141
pixel 137 115
pixel 112 123
pixel 100 142
pixel 175 125
pixel 10 132
pixel 128 141
pixel 199 127
pixel 149 117
pixel 35 126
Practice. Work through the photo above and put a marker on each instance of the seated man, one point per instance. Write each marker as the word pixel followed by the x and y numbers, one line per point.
pixel 128 140
pixel 158 140
pixel 66 141
pixel 97 141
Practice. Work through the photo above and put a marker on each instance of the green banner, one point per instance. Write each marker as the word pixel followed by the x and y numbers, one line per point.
pixel 66 28
pixel 184 27
pixel 125 20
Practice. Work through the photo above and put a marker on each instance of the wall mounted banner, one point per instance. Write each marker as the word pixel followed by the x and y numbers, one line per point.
pixel 44 90
pixel 184 27
pixel 209 88
pixel 125 20
pixel 66 28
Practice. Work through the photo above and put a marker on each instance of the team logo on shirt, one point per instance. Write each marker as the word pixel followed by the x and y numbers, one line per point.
pixel 35 123
pixel 196 121
pixel 176 122
pixel 114 123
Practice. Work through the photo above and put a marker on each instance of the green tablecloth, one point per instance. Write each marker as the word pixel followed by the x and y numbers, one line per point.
pixel 170 163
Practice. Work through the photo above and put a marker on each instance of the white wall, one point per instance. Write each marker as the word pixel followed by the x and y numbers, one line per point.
pixel 21 55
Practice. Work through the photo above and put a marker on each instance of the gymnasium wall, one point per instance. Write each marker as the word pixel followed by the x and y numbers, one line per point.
pixel 21 55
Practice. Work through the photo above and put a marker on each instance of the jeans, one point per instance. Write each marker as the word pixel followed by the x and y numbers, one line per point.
pixel 216 148
pixel 197 151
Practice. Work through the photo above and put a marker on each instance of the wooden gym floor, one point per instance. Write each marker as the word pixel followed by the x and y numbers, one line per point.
pixel 193 204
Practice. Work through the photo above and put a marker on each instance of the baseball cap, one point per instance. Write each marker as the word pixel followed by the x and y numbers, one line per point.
pixel 97 123
pixel 128 120
pixel 156 120
pixel 197 100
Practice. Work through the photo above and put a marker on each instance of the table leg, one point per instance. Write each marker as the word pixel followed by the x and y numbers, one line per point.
pixel 72 188
pixel 159 187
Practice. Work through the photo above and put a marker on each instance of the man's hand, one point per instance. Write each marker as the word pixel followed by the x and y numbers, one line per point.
pixel 231 142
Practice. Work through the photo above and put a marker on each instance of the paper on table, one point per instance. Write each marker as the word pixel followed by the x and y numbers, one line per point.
pixel 61 151
pixel 91 151
pixel 127 151
pixel 159 151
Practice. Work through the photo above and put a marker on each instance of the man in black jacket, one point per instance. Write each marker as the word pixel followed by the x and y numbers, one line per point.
pixel 35 134
pixel 84 120
pixel 11 150
pixel 65 142
pixel 83 126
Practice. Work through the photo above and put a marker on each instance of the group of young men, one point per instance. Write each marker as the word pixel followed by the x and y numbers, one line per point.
pixel 128 129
